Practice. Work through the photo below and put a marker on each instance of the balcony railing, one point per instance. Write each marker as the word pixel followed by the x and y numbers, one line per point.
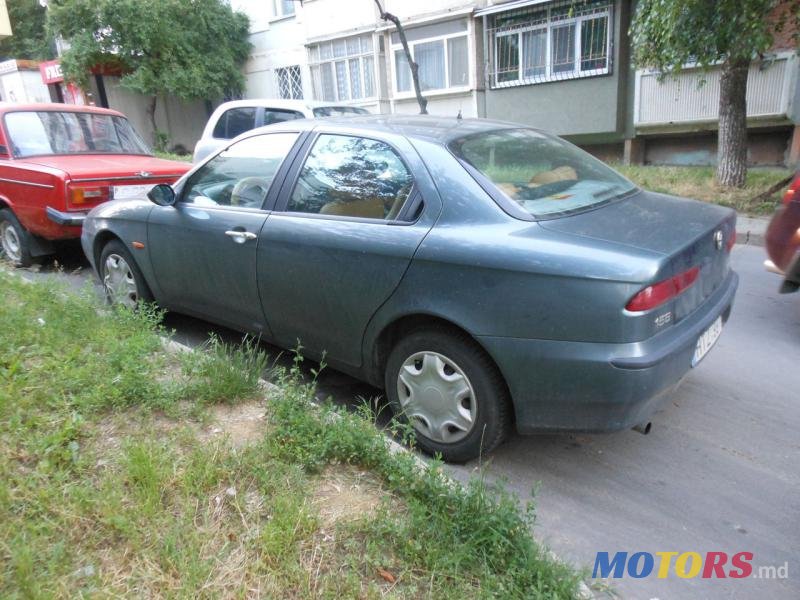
pixel 692 96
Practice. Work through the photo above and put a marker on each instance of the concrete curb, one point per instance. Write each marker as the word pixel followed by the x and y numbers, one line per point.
pixel 751 231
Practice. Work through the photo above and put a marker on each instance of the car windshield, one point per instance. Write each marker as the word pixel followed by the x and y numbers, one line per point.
pixel 339 111
pixel 544 174
pixel 36 133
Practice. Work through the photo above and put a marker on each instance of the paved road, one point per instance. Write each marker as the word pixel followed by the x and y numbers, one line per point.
pixel 720 470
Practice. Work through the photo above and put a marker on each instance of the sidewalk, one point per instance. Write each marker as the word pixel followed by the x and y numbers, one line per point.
pixel 751 230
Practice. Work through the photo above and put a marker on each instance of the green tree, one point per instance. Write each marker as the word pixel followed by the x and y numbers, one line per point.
pixel 667 35
pixel 29 39
pixel 190 49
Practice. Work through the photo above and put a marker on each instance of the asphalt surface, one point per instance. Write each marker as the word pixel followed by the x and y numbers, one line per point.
pixel 720 470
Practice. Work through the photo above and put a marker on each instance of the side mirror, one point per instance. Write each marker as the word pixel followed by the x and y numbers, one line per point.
pixel 162 194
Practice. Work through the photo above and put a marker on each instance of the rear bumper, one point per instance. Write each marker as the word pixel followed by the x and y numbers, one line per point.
pixel 594 387
pixel 70 219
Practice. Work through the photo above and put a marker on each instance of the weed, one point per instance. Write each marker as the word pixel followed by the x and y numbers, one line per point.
pixel 103 492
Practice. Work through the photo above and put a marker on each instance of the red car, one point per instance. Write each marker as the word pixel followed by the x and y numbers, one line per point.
pixel 783 239
pixel 58 161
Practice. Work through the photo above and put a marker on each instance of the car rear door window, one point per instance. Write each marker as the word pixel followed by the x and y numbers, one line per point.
pixel 234 122
pixel 350 176
pixel 272 115
pixel 241 175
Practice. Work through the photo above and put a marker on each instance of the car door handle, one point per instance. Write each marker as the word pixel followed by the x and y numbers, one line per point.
pixel 240 236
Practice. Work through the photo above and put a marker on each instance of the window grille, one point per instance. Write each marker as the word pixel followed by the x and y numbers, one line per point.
pixel 551 42
pixel 290 83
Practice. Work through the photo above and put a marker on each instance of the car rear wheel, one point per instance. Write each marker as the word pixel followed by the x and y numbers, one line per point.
pixel 122 280
pixel 14 240
pixel 449 390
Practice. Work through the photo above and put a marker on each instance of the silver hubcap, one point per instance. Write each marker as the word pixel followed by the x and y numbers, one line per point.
pixel 10 240
pixel 119 283
pixel 437 397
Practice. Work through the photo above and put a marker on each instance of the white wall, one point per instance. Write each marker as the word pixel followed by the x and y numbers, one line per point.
pixel 327 17
pixel 184 121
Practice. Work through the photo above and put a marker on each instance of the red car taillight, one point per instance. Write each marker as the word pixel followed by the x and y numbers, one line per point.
pixel 793 193
pixel 659 293
pixel 731 240
pixel 80 196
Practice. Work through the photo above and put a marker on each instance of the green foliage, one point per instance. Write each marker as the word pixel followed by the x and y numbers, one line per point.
pixel 667 34
pixel 224 373
pixel 699 183
pixel 474 538
pixel 191 49
pixel 29 40
pixel 102 496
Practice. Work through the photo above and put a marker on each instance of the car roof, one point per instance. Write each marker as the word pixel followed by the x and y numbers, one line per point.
pixel 280 103
pixel 433 128
pixel 58 107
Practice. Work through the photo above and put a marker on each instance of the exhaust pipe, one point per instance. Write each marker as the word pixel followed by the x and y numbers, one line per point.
pixel 643 428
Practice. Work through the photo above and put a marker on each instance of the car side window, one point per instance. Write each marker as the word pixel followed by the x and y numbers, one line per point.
pixel 352 176
pixel 239 176
pixel 235 121
pixel 272 115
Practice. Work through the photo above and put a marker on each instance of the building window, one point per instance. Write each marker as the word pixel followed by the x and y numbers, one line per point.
pixel 290 83
pixel 550 43
pixel 282 8
pixel 343 69
pixel 443 62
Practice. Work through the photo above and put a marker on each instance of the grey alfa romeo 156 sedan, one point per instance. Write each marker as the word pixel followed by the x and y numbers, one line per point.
pixel 485 274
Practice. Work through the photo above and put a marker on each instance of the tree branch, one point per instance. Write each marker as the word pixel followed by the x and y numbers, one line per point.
pixel 386 16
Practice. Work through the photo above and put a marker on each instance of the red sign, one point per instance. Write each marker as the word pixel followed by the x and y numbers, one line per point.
pixel 51 72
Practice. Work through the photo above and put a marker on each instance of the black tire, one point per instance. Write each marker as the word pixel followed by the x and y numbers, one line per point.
pixel 14 240
pixel 116 251
pixel 492 405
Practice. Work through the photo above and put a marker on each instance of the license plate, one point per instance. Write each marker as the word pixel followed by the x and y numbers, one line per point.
pixel 130 192
pixel 706 340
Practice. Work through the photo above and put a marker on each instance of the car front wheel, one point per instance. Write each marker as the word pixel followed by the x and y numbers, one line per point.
pixel 121 278
pixel 449 390
pixel 14 240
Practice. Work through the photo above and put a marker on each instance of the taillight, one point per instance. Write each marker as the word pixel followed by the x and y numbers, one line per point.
pixel 793 192
pixel 731 240
pixel 88 195
pixel 659 293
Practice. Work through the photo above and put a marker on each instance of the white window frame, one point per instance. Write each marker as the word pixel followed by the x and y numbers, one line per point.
pixel 553 23
pixel 447 89
pixel 277 11
pixel 361 56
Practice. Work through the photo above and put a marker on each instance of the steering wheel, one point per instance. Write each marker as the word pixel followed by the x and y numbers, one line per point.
pixel 249 191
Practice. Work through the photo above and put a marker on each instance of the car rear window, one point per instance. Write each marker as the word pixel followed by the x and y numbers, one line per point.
pixel 36 133
pixel 544 174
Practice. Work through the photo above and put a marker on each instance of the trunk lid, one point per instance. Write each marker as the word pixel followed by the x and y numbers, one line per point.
pixel 97 167
pixel 95 178
pixel 686 232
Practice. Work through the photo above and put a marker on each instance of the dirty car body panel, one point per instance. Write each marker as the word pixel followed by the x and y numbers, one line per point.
pixel 562 304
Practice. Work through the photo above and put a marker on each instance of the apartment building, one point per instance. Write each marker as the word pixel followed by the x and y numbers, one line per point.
pixel 561 65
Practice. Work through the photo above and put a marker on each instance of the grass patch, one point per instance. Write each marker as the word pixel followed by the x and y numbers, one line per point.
pixel 111 484
pixel 700 183
pixel 173 156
